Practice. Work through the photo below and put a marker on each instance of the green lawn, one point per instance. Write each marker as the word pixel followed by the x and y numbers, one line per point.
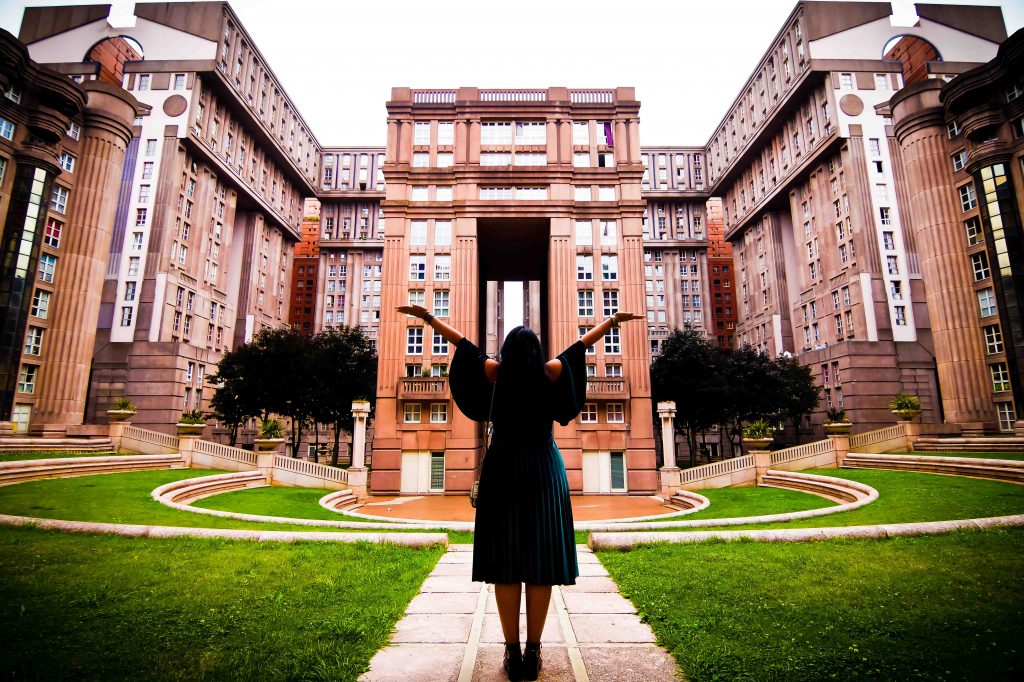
pixel 104 607
pixel 905 496
pixel 931 608
pixel 296 503
pixel 51 454
pixel 753 501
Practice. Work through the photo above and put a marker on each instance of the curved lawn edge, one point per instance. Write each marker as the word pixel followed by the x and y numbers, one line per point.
pixel 144 531
pixel 627 541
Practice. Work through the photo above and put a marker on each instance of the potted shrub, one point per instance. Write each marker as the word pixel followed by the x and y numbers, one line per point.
pixel 192 422
pixel 121 410
pixel 271 435
pixel 836 422
pixel 905 407
pixel 758 434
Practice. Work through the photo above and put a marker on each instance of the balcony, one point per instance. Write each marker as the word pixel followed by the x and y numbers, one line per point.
pixel 423 388
pixel 607 388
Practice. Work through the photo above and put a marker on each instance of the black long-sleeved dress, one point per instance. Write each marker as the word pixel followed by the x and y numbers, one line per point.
pixel 524 530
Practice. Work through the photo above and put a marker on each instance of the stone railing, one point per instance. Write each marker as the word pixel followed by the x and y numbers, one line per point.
pixel 592 96
pixel 433 97
pixel 513 96
pixel 821 453
pixel 735 471
pixel 301 472
pixel 607 387
pixel 143 441
pixel 217 456
pixel 881 440
pixel 424 387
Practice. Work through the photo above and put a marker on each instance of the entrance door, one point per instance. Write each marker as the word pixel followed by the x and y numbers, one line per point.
pixel 422 472
pixel 604 472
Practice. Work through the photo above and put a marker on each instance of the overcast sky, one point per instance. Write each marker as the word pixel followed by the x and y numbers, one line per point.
pixel 339 59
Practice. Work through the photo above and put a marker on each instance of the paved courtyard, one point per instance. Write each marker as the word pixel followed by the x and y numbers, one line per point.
pixel 451 631
pixel 457 508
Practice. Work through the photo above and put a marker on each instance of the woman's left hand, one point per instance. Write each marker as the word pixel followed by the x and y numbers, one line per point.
pixel 414 310
pixel 621 317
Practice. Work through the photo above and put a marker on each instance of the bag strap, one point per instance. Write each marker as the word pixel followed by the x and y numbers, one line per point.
pixel 489 428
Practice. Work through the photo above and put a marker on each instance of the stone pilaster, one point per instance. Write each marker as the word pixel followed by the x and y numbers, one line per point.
pixel 938 228
pixel 64 376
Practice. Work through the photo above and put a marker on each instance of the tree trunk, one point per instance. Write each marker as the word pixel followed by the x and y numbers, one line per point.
pixel 316 441
pixel 233 438
pixel 337 439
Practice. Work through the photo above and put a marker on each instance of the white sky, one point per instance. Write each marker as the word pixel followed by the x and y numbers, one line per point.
pixel 338 59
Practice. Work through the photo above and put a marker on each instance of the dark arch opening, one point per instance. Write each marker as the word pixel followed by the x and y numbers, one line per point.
pixel 914 54
pixel 111 54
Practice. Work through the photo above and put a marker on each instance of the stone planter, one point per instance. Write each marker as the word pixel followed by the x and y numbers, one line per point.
pixel 838 428
pixel 906 415
pixel 267 444
pixel 185 429
pixel 120 415
pixel 757 443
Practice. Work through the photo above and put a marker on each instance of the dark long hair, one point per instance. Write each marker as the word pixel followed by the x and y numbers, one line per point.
pixel 522 360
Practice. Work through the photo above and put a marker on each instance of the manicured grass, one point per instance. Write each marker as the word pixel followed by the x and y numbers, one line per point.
pixel 930 608
pixel 752 501
pixel 51 454
pixel 1016 456
pixel 121 498
pixel 105 607
pixel 299 503
pixel 905 497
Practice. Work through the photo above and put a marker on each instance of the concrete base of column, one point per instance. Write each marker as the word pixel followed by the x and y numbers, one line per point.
pixel 357 477
pixel 670 480
pixel 841 444
pixel 52 430
pixel 1018 427
pixel 762 462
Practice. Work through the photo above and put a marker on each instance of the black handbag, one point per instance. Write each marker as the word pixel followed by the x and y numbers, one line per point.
pixel 474 492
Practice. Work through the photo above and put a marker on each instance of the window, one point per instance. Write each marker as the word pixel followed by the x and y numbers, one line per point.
pixel 846 81
pixel 133 265
pixel 581 193
pixel 892 265
pixel 445 159
pixel 874 148
pixel 585 303
pixel 1000 377
pixel 896 290
pixel 439 369
pixel 993 339
pixel 129 291
pixel 495 133
pixel 612 342
pixel 584 230
pixel 412 413
pixel 615 413
pixel 417 268
pixel 968 198
pixel 953 128
pixel 901 315
pixel 6 129
pixel 531 133
pixel 439 346
pixel 495 159
pixel 608 233
pixel 141 216
pixel 445 133
pixel 67 162
pixel 588 415
pixel 421 135
pixel 611 303
pixel 881 192
pixel 442 233
pixel 59 199
pixel 418 233
pixel 584 268
pixel 420 160
pixel 884 215
pixel 47 264
pixel 606 194
pixel 526 159
pixel 581 159
pixel 126 316
pixel 34 341
pixel 1006 415
pixel 40 304
pixel 179 81
pixel 414 341
pixel 419 194
pixel 438 415
pixel 27 379
pixel 973 228
pixel 987 302
pixel 3 169
pixel 442 268
pixel 979 264
pixel 151 147
pixel 609 267
pixel 51 234
pixel 581 133
pixel 441 303
pixel 959 159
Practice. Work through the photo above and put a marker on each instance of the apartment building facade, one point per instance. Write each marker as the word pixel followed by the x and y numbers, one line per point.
pixel 814 200
pixel 210 200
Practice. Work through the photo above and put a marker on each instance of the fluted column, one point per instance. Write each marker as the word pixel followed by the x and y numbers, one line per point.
pixel 64 376
pixel 938 229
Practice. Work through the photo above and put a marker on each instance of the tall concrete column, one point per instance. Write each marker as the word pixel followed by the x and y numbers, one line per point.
pixel 357 470
pixel 939 234
pixel 64 376
pixel 670 474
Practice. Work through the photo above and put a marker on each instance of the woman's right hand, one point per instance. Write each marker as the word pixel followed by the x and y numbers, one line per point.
pixel 620 317
pixel 414 310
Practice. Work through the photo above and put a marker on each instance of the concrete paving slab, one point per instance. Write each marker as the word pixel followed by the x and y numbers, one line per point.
pixel 629 664
pixel 597 602
pixel 428 628
pixel 590 584
pixel 416 663
pixel 492 605
pixel 443 602
pixel 590 570
pixel 555 658
pixel 450 583
pixel 492 634
pixel 610 628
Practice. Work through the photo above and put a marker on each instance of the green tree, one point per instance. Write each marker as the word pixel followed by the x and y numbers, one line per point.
pixel 754 388
pixel 235 399
pixel 688 371
pixel 346 370
pixel 800 394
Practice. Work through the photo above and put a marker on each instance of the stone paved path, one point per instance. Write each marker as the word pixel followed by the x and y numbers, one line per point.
pixel 451 631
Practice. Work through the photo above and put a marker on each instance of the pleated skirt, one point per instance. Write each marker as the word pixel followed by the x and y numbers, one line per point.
pixel 524 530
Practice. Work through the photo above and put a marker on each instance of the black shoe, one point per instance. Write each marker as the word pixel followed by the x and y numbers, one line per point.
pixel 513 664
pixel 531 661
